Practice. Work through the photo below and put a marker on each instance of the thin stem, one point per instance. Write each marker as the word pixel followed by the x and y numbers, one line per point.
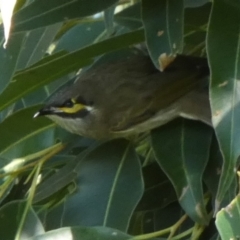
pixel 183 234
pixel 32 190
pixel 175 227
pixel 170 230
pixel 152 235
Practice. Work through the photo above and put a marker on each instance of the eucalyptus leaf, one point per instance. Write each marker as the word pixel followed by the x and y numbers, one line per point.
pixel 34 77
pixel 223 43
pixel 21 126
pixel 163 24
pixel 109 187
pixel 227 220
pixel 41 13
pixel 182 150
pixel 9 58
pixel 130 17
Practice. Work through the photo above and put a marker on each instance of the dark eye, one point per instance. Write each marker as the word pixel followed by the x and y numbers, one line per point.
pixel 69 103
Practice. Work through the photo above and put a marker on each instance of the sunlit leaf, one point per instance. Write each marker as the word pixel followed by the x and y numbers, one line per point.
pixel 227 220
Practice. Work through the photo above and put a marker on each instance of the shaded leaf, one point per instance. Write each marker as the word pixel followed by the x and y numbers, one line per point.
pixel 21 126
pixel 163 25
pixel 159 191
pixel 195 3
pixel 130 17
pixel 34 77
pixel 80 36
pixel 42 13
pixel 182 150
pixel 10 217
pixel 110 186
pixel 36 44
pixel 223 43
pixel 9 59
pixel 57 181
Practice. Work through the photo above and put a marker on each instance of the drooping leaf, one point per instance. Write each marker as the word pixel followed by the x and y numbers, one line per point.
pixel 110 186
pixel 163 24
pixel 223 45
pixel 182 150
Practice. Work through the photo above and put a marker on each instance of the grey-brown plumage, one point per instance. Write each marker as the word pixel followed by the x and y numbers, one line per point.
pixel 131 96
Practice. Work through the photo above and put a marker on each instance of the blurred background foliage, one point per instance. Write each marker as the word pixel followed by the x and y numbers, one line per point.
pixel 178 182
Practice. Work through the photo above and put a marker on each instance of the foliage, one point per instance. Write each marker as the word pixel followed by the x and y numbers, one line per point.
pixel 169 184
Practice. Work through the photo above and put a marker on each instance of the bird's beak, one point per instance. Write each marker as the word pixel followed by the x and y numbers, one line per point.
pixel 46 111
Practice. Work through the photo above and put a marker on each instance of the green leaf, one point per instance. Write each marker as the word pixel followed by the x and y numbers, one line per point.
pixel 10 217
pixel 182 150
pixel 159 191
pixel 163 25
pixel 223 45
pixel 130 17
pixel 195 26
pixel 57 181
pixel 83 233
pixel 36 44
pixel 227 220
pixel 24 127
pixel 9 59
pixel 34 77
pixel 42 13
pixel 110 186
pixel 80 36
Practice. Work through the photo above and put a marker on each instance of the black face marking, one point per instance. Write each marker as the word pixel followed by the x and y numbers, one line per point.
pixel 69 103
pixel 80 114
pixel 81 100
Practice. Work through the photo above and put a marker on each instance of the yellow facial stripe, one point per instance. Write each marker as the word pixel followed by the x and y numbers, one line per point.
pixel 76 107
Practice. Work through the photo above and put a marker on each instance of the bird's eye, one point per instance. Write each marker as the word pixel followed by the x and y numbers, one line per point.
pixel 69 103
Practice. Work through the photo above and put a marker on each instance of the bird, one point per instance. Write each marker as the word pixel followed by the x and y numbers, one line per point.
pixel 130 96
